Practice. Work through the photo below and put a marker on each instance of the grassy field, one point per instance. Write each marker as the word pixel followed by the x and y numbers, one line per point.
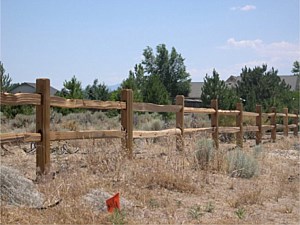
pixel 256 185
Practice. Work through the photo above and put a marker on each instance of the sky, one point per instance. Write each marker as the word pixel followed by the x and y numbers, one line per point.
pixel 104 39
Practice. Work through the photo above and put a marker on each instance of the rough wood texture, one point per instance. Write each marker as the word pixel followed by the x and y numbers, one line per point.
pixel 239 123
pixel 90 134
pixel 267 127
pixel 251 129
pixel 43 127
pixel 296 121
pixel 202 129
pixel 229 130
pixel 215 122
pixel 273 123
pixel 229 112
pixel 153 134
pixel 150 107
pixel 22 137
pixel 199 110
pixel 127 120
pixel 180 122
pixel 292 115
pixel 286 122
pixel 86 104
pixel 258 124
pixel 20 99
pixel 250 114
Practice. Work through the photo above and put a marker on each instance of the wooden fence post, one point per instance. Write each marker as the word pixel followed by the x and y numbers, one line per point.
pixel 273 123
pixel 286 122
pixel 259 124
pixel 127 120
pixel 43 127
pixel 180 123
pixel 296 121
pixel 215 122
pixel 239 123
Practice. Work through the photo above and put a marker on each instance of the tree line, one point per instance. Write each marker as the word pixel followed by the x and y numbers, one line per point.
pixel 162 75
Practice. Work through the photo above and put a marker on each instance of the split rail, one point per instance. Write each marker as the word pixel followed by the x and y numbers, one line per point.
pixel 43 135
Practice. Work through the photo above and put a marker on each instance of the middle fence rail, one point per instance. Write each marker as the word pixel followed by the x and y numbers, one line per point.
pixel 43 135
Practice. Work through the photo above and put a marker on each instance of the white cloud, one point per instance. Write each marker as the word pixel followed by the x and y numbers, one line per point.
pixel 243 8
pixel 248 7
pixel 244 43
pixel 279 55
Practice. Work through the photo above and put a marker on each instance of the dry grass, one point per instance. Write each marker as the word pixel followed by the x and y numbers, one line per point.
pixel 163 185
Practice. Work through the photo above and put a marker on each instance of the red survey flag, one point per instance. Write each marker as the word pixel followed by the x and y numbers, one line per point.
pixel 113 203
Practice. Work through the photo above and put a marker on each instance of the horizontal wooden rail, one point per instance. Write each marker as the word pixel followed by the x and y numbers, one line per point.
pixel 250 114
pixel 20 99
pixel 23 137
pixel 199 110
pixel 86 104
pixel 292 115
pixel 250 128
pixel 150 107
pixel 153 134
pixel 292 126
pixel 71 135
pixel 202 129
pixel 229 130
pixel 279 126
pixel 267 127
pixel 228 112
pixel 280 114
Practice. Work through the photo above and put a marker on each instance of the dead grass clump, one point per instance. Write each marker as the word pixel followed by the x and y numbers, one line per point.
pixel 167 180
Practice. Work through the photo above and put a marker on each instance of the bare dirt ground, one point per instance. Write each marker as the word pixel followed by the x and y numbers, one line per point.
pixel 163 185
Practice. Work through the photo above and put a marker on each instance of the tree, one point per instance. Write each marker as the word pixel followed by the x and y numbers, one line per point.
pixel 214 88
pixel 5 79
pixel 135 81
pixel 169 68
pixel 259 86
pixel 296 68
pixel 6 85
pixel 97 91
pixel 155 92
pixel 72 90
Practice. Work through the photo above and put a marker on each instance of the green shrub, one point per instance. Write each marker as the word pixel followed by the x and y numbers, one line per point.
pixel 205 152
pixel 240 164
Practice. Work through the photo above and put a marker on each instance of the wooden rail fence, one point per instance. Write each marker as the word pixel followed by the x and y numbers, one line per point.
pixel 43 136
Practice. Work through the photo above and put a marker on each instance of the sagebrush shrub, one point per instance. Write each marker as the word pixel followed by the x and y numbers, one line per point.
pixel 240 164
pixel 205 152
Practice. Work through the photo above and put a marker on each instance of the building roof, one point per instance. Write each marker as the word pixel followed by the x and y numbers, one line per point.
pixel 196 90
pixel 18 88
pixel 291 80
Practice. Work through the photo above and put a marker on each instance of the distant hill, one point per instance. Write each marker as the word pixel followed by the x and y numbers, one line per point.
pixel 113 87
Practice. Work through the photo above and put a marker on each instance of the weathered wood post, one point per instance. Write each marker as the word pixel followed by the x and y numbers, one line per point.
pixel 180 123
pixel 296 121
pixel 259 124
pixel 273 123
pixel 239 123
pixel 127 121
pixel 286 122
pixel 43 127
pixel 215 122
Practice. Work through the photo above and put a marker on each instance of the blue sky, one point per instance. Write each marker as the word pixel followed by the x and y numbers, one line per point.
pixel 104 39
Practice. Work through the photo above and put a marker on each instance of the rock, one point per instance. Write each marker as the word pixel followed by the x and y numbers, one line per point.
pixel 18 190
pixel 97 198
